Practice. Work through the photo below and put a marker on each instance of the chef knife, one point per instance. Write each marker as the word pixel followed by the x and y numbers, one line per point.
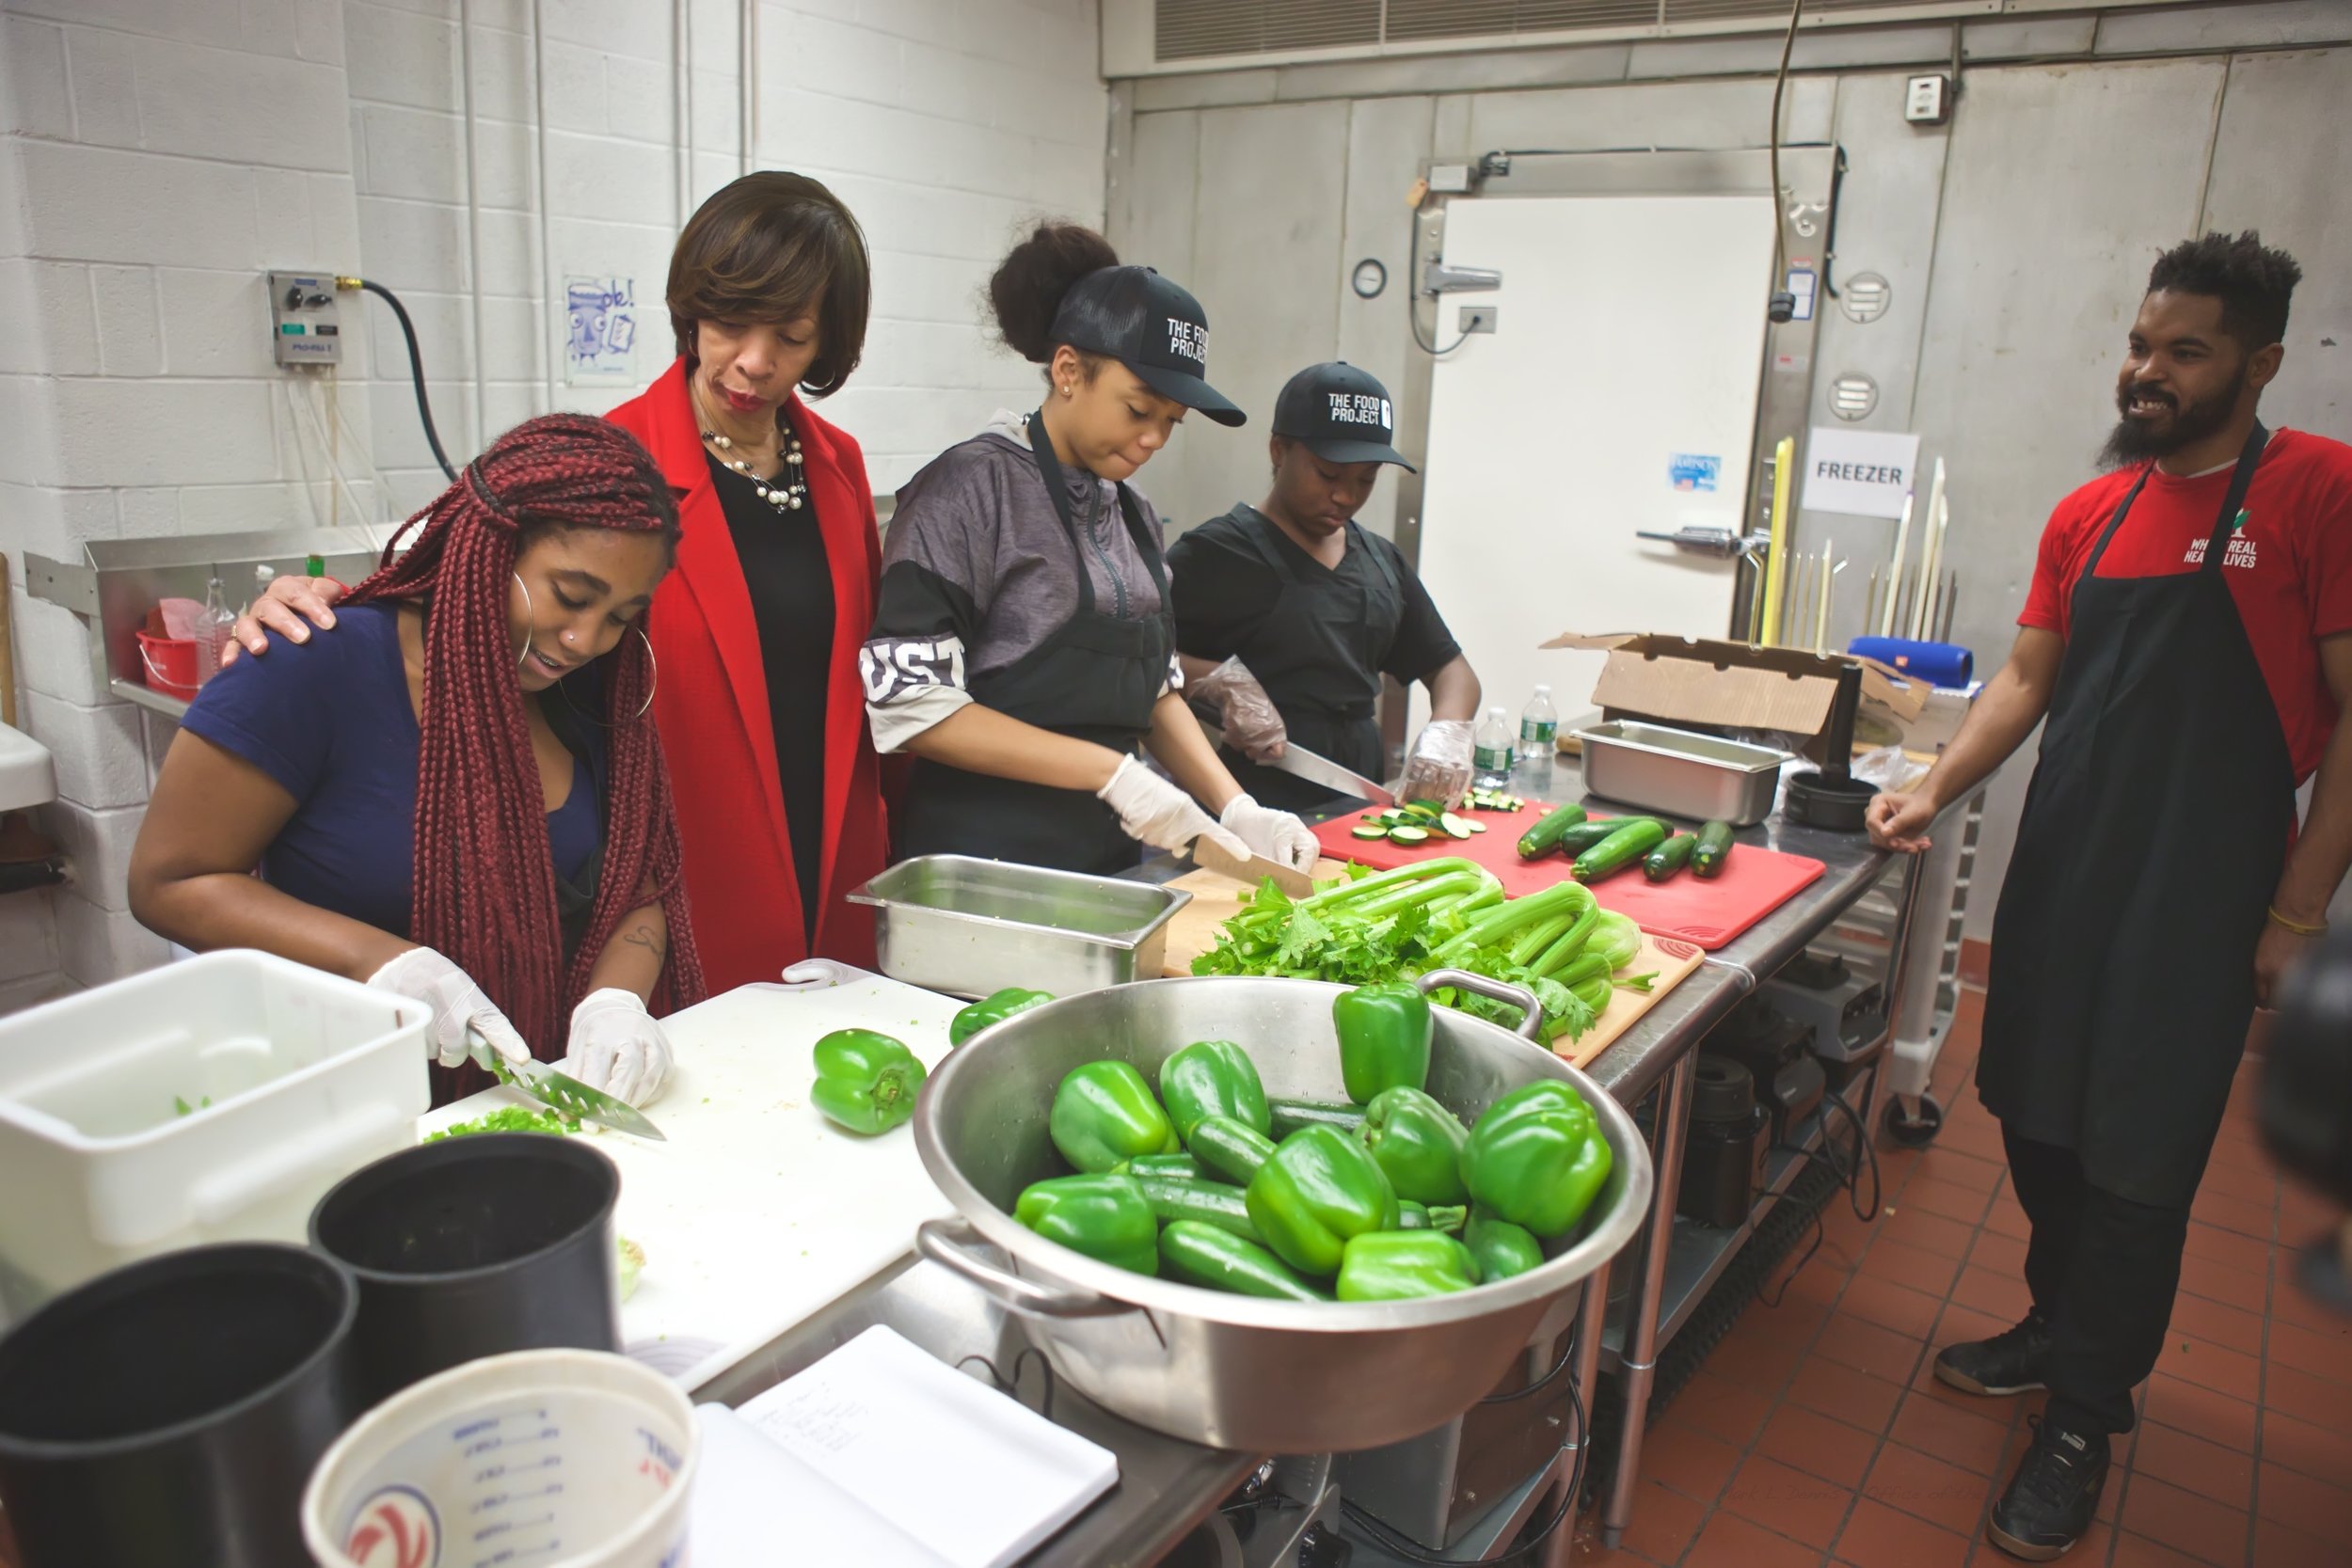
pixel 1208 853
pixel 1300 763
pixel 568 1095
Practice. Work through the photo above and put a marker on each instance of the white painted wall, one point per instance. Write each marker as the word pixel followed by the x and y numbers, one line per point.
pixel 157 156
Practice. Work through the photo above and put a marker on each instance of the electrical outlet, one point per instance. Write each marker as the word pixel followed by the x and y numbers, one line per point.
pixel 1928 100
pixel 1478 318
pixel 304 324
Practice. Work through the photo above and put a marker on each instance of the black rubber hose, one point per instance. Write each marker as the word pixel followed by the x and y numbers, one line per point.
pixel 416 374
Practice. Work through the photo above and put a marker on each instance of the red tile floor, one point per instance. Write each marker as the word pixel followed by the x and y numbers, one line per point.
pixel 1816 1432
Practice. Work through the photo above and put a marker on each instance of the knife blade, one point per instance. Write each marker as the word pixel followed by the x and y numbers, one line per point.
pixel 1299 761
pixel 1207 853
pixel 562 1092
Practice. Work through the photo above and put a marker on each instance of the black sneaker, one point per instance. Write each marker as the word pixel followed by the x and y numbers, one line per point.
pixel 2053 1496
pixel 2009 1363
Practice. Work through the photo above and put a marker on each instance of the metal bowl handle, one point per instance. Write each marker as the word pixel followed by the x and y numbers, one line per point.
pixel 1531 1026
pixel 950 1244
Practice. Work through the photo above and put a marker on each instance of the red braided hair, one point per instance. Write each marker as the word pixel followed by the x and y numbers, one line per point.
pixel 484 882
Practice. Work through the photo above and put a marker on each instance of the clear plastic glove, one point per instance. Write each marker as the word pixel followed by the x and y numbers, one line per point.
pixel 1155 811
pixel 290 607
pixel 1440 767
pixel 458 1007
pixel 618 1047
pixel 1245 713
pixel 1275 834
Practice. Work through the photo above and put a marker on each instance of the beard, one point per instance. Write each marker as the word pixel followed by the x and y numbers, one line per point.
pixel 2135 440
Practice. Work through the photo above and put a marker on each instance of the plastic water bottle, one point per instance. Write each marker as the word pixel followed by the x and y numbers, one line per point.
pixel 218 624
pixel 1539 731
pixel 1490 755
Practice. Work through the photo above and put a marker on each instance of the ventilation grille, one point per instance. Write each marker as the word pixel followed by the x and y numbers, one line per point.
pixel 1196 29
pixel 1207 29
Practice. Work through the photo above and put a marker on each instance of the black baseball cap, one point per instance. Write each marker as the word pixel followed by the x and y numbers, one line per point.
pixel 1342 414
pixel 1152 326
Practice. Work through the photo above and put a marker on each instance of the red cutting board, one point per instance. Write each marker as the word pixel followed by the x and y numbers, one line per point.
pixel 1753 883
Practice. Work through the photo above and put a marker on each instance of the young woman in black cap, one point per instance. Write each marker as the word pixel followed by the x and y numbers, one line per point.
pixel 1022 645
pixel 1287 613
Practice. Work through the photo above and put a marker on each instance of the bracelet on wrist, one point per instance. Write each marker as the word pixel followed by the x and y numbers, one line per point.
pixel 2298 927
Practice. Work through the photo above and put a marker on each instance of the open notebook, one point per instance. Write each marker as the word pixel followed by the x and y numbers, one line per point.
pixel 881 1455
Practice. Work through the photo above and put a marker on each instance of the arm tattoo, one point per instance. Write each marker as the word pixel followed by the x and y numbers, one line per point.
pixel 645 936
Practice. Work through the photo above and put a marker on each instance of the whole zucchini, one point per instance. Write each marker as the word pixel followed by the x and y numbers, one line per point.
pixel 1175 1198
pixel 1544 836
pixel 1668 858
pixel 1585 835
pixel 1712 848
pixel 1619 850
pixel 1292 1114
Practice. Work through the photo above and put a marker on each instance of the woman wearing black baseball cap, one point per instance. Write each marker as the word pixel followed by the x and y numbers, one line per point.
pixel 1023 644
pixel 1287 613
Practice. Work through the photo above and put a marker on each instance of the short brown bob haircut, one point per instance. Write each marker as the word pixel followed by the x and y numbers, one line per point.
pixel 768 247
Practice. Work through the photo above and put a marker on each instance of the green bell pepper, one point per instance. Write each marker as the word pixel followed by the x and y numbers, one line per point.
pixel 1230 1151
pixel 1104 1113
pixel 1417 1142
pixel 994 1009
pixel 1106 1217
pixel 1397 1265
pixel 1502 1248
pixel 1320 1188
pixel 1415 1216
pixel 1210 1202
pixel 1536 1158
pixel 866 1080
pixel 1212 1078
pixel 1216 1260
pixel 1384 1032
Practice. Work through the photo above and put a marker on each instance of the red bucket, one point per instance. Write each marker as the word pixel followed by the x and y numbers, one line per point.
pixel 173 664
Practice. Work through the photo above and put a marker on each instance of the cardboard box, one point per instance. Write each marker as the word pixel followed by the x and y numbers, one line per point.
pixel 1731 686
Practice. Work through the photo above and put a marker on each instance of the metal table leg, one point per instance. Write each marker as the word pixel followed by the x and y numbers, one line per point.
pixel 1639 1365
pixel 1592 1316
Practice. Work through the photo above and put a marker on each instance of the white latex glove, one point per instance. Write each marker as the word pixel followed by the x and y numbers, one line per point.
pixel 1245 713
pixel 1275 834
pixel 618 1047
pixel 1440 767
pixel 458 1005
pixel 1155 811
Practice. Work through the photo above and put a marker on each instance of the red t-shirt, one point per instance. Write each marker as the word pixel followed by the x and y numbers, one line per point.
pixel 2289 565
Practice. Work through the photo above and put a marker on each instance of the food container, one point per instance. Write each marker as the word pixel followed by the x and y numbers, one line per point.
pixel 970 927
pixel 558 1458
pixel 1681 773
pixel 212 1099
pixel 1237 1372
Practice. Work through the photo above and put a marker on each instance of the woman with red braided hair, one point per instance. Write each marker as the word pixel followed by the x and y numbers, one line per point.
pixel 459 796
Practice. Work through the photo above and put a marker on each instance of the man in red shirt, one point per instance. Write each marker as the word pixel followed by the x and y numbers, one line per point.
pixel 2188 638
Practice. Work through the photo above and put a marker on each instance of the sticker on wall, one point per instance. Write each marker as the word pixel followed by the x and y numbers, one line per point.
pixel 1802 286
pixel 600 341
pixel 1862 473
pixel 1694 471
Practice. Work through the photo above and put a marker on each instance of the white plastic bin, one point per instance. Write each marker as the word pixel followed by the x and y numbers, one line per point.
pixel 291 1079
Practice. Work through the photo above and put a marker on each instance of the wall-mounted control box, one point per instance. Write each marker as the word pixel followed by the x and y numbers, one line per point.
pixel 1928 100
pixel 305 320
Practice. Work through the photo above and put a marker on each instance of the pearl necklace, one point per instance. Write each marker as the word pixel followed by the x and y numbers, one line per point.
pixel 787 496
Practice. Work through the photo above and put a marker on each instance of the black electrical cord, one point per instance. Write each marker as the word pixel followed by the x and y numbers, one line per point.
pixel 1849 1176
pixel 1012 1386
pixel 1780 216
pixel 1412 293
pixel 1544 1381
pixel 416 372
pixel 1562 1512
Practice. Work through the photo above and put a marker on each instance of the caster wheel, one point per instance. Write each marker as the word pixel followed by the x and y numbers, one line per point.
pixel 1915 1132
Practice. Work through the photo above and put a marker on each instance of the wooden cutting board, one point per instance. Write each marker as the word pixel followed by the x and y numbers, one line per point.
pixel 1217 898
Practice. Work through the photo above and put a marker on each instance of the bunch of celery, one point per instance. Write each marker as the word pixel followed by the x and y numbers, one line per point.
pixel 1439 914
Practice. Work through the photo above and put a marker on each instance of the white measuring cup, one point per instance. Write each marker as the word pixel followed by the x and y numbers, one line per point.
pixel 558 1458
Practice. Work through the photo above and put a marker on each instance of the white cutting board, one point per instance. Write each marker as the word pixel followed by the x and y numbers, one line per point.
pixel 757 1212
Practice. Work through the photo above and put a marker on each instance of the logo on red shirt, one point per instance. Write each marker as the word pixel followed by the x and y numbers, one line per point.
pixel 2241 551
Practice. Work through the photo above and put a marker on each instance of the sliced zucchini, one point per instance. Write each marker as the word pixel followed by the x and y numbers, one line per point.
pixel 1454 827
pixel 1478 826
pixel 1368 830
pixel 1408 835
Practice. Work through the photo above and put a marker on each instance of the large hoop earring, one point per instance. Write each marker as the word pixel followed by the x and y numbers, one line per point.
pixel 531 612
pixel 653 686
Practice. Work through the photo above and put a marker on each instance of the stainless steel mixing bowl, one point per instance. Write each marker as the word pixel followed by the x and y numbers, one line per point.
pixel 1230 1371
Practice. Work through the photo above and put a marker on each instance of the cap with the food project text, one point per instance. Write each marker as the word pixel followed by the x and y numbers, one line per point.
pixel 1342 414
pixel 1151 326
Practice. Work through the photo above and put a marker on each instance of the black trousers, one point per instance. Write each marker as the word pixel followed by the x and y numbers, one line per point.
pixel 2103 1271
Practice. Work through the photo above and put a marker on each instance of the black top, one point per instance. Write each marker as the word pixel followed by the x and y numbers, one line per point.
pixel 1223 590
pixel 783 556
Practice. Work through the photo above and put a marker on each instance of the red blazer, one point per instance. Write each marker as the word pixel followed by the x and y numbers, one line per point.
pixel 711 704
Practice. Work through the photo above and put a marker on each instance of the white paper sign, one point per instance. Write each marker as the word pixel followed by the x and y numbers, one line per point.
pixel 1863 473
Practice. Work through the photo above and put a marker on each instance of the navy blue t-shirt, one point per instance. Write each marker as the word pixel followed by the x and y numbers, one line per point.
pixel 330 720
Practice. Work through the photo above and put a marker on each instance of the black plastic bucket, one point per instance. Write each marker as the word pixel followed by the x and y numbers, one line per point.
pixel 475 1246
pixel 168 1415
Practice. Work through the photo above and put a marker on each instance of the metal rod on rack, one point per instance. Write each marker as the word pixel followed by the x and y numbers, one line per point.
pixel 1885 627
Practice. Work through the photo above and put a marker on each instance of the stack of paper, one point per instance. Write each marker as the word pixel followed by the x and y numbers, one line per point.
pixel 883 1456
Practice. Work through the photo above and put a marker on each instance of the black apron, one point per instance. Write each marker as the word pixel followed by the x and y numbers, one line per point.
pixel 2154 830
pixel 1096 678
pixel 1318 654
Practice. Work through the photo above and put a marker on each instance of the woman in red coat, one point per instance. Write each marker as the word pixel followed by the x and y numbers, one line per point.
pixel 756 633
